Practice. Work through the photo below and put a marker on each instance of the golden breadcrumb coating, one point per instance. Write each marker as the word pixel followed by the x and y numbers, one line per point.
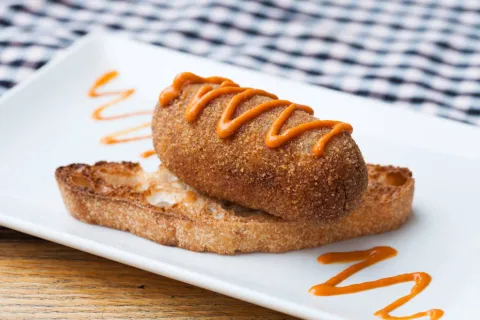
pixel 288 182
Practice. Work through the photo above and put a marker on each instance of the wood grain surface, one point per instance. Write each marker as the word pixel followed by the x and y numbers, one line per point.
pixel 44 280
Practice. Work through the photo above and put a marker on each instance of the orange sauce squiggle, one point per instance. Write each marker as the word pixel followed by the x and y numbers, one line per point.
pixel 147 153
pixel 228 125
pixel 367 258
pixel 119 96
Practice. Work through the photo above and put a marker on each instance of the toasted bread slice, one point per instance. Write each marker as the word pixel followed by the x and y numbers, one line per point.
pixel 159 207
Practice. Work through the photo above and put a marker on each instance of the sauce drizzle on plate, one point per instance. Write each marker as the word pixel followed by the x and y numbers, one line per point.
pixel 119 95
pixel 367 258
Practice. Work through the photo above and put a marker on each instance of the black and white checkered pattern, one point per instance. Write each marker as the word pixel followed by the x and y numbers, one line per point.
pixel 423 54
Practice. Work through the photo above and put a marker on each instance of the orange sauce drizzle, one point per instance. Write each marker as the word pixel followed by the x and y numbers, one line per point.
pixel 147 153
pixel 228 125
pixel 119 96
pixel 367 258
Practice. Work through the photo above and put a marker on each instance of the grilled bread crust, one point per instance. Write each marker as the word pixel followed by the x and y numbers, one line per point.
pixel 163 209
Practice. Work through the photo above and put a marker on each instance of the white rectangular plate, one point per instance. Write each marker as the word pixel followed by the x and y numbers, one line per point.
pixel 45 123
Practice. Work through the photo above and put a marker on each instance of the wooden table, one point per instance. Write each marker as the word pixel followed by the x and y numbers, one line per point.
pixel 44 280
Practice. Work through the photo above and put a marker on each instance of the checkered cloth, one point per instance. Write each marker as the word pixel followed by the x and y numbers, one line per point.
pixel 422 54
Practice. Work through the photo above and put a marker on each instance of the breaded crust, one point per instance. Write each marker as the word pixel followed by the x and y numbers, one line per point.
pixel 288 182
pixel 163 209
